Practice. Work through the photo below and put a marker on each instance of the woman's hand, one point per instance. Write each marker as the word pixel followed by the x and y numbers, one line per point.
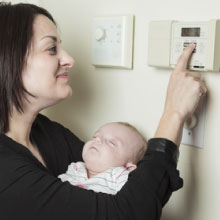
pixel 185 89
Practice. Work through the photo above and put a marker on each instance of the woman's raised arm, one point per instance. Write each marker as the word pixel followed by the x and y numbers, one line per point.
pixel 184 92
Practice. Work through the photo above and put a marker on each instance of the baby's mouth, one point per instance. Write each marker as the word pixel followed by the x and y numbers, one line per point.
pixel 94 148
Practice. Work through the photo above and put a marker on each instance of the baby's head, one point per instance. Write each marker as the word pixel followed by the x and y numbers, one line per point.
pixel 114 144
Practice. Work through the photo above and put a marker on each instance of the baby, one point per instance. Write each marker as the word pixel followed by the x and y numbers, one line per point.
pixel 109 157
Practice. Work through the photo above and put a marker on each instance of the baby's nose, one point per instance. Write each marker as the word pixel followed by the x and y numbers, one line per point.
pixel 98 140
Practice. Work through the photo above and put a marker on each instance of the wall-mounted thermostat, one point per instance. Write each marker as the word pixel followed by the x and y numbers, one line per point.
pixel 167 40
pixel 112 41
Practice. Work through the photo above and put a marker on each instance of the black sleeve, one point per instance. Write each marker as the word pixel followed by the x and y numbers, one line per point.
pixel 35 194
pixel 58 145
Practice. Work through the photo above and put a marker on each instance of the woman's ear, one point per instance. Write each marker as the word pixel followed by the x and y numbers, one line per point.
pixel 131 166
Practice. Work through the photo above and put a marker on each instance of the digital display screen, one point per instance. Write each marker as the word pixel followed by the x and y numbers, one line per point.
pixel 190 32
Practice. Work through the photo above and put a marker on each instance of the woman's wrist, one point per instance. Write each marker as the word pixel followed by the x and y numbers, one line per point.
pixel 170 127
pixel 164 146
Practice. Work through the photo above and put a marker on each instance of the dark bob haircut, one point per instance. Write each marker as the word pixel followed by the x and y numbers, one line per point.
pixel 16 31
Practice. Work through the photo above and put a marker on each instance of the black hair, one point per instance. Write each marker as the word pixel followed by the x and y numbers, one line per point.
pixel 16 32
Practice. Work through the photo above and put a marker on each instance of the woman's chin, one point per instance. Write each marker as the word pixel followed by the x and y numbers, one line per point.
pixel 61 97
pixel 66 94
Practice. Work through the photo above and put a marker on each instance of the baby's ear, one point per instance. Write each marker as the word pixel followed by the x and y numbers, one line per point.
pixel 131 166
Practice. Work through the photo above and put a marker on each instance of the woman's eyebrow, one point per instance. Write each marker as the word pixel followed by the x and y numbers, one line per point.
pixel 51 37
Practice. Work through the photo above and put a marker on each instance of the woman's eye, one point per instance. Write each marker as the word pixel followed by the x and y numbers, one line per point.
pixel 53 50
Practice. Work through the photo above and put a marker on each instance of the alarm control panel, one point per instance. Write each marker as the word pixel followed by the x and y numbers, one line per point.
pixel 168 39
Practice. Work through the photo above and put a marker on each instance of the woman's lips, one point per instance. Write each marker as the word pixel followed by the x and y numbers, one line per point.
pixel 63 75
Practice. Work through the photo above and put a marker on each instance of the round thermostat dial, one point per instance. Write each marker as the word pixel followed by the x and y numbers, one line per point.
pixel 99 34
pixel 191 122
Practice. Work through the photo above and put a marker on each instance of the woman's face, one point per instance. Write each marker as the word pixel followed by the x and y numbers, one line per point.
pixel 46 73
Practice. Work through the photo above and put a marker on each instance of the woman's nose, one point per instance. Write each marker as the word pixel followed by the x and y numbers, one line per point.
pixel 66 60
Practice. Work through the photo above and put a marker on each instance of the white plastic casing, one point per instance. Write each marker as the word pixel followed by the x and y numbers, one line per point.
pixel 112 41
pixel 194 135
pixel 167 40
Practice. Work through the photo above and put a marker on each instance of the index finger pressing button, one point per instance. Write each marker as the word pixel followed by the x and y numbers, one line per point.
pixel 184 58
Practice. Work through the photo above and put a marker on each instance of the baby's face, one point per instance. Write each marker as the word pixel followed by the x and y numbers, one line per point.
pixel 111 146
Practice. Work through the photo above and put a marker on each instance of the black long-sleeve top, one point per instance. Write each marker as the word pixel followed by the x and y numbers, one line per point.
pixel 29 191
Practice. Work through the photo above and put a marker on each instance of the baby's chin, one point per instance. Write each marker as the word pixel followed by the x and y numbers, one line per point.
pixel 93 170
pixel 93 165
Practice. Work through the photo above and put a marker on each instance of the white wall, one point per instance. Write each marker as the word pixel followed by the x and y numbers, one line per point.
pixel 137 95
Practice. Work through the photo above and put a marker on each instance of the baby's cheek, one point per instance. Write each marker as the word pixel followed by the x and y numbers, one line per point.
pixel 83 153
pixel 113 159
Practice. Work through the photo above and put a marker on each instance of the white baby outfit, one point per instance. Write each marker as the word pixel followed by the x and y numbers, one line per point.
pixel 109 181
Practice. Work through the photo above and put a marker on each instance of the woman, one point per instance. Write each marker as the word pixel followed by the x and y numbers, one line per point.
pixel 34 150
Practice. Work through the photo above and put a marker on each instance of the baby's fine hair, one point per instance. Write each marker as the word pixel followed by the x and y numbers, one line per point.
pixel 143 147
